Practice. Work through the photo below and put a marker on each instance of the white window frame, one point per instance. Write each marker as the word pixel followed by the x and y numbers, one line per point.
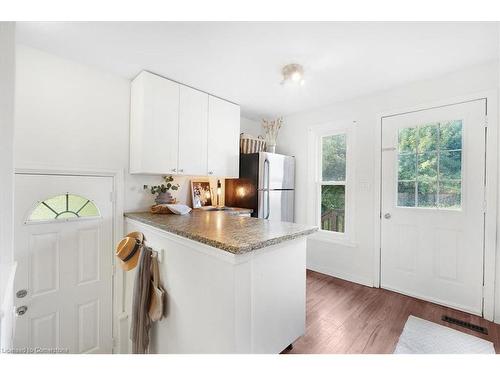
pixel 316 134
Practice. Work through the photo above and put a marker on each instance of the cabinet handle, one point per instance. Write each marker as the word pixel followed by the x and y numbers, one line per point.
pixel 210 172
pixel 173 169
pixel 181 170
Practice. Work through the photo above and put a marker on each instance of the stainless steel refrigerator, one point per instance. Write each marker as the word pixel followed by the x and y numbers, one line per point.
pixel 266 185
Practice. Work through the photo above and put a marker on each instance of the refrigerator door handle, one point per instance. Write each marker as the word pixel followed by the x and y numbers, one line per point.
pixel 266 174
pixel 268 205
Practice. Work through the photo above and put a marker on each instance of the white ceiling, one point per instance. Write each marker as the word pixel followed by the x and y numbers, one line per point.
pixel 241 61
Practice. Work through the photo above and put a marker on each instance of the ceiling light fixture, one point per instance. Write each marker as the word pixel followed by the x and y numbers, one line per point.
pixel 293 73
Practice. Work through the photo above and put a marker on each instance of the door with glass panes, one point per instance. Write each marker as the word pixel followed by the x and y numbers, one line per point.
pixel 63 249
pixel 432 211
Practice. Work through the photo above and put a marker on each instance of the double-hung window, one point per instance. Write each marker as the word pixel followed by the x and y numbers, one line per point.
pixel 333 182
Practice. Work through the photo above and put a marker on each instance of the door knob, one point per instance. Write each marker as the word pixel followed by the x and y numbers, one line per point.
pixel 21 293
pixel 21 310
pixel 387 215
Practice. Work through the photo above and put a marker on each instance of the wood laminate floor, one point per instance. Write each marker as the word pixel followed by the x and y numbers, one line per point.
pixel 344 317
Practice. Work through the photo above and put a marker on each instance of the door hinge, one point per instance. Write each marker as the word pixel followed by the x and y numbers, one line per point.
pixel 485 121
pixel 113 342
pixel 485 206
pixel 112 196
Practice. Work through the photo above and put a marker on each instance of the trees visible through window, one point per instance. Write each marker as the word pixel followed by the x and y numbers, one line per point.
pixel 64 206
pixel 333 182
pixel 430 165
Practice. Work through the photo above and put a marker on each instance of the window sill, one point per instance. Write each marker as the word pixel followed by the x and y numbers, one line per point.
pixel 325 236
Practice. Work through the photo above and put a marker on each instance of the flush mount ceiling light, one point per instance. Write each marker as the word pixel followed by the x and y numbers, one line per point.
pixel 293 73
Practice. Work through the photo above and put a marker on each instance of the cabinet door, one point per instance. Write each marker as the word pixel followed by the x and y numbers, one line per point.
pixel 193 123
pixel 154 125
pixel 223 138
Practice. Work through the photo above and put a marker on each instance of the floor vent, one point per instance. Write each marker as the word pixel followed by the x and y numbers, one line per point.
pixel 467 325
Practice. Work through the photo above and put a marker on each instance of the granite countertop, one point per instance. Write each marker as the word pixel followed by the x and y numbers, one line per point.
pixel 232 233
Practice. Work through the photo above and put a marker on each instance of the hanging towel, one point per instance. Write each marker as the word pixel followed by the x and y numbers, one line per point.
pixel 141 322
pixel 157 300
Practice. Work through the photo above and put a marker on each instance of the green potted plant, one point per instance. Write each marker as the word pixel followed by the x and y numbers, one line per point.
pixel 163 195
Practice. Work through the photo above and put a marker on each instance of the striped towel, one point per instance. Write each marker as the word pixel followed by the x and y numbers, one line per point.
pixel 141 323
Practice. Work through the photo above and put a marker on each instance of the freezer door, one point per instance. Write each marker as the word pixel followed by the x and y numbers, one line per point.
pixel 276 205
pixel 276 171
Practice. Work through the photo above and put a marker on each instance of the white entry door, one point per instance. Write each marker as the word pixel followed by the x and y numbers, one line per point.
pixel 433 196
pixel 63 248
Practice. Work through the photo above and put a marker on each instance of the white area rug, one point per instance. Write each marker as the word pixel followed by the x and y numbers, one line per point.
pixel 423 337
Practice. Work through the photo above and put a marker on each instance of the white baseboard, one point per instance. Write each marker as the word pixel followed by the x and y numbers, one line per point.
pixel 341 275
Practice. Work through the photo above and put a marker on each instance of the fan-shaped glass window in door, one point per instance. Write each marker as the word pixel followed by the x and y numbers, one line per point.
pixel 63 207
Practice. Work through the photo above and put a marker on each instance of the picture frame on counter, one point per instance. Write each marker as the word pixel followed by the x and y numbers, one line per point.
pixel 201 193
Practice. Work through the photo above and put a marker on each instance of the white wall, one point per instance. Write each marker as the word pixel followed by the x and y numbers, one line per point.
pixel 251 127
pixel 7 267
pixel 356 262
pixel 70 115
pixel 497 287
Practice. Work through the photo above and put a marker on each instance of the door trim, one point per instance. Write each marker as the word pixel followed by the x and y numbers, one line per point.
pixel 491 305
pixel 118 275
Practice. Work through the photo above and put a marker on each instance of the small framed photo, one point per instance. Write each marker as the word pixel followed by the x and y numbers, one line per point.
pixel 201 193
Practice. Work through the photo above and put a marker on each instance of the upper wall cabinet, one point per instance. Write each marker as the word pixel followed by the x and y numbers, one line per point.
pixel 175 129
pixel 193 130
pixel 154 124
pixel 223 138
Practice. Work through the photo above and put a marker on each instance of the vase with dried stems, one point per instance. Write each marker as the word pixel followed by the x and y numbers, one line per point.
pixel 271 128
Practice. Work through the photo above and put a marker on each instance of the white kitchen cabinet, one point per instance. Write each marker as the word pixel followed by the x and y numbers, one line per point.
pixel 193 130
pixel 175 129
pixel 223 303
pixel 154 125
pixel 223 138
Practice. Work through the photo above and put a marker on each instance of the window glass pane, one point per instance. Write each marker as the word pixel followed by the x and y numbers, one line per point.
pixel 450 135
pixel 64 206
pixel 427 192
pixel 67 215
pixel 333 208
pixel 42 212
pixel 407 167
pixel 406 194
pixel 76 202
pixel 450 194
pixel 407 140
pixel 427 165
pixel 427 138
pixel 435 162
pixel 89 210
pixel 450 165
pixel 58 203
pixel 333 162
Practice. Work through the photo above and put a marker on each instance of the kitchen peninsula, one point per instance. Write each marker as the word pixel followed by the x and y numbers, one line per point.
pixel 234 284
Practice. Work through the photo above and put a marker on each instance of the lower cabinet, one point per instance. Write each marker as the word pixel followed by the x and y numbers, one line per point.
pixel 219 302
